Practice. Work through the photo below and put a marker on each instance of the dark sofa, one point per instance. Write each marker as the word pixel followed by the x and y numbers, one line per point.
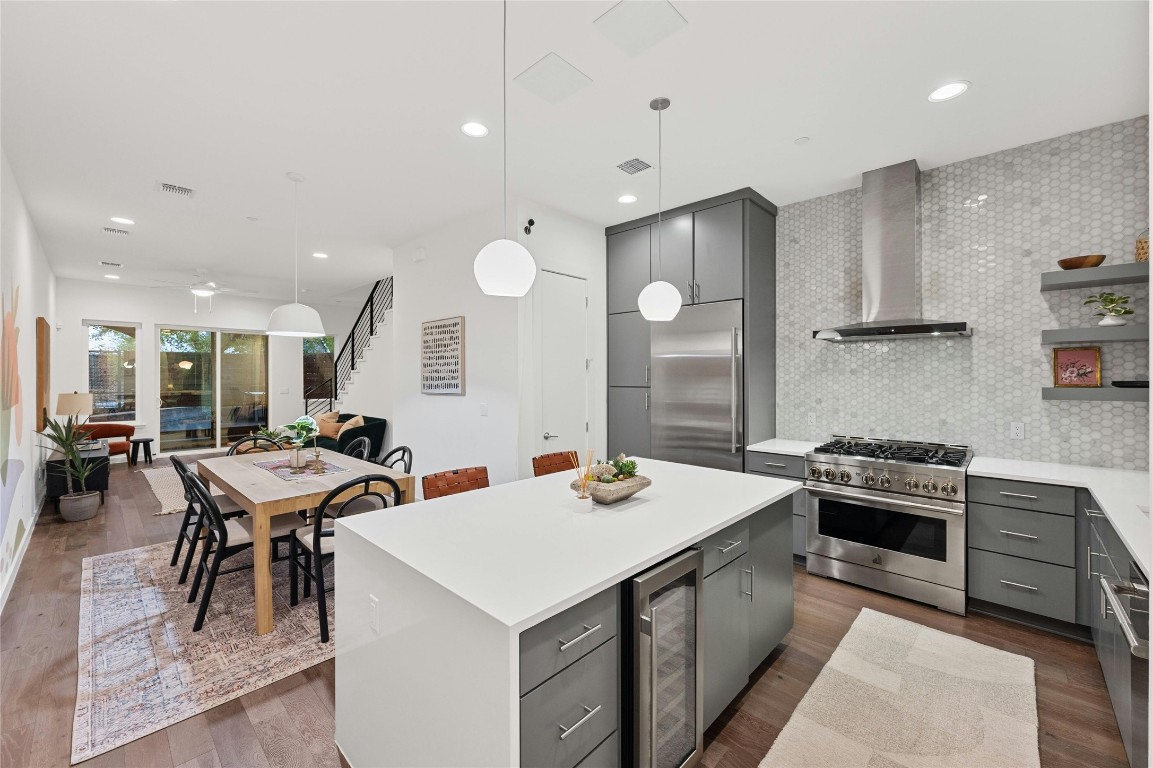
pixel 374 429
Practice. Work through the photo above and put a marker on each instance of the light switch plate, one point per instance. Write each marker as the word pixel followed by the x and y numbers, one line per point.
pixel 374 613
pixel 484 409
pixel 284 390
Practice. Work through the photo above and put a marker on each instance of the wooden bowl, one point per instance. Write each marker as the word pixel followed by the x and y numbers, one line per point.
pixel 610 493
pixel 1082 262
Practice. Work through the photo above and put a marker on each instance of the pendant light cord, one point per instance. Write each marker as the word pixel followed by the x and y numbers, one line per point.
pixel 504 112
pixel 296 240
pixel 660 185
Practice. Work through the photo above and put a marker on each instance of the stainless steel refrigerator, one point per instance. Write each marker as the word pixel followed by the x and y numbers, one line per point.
pixel 698 387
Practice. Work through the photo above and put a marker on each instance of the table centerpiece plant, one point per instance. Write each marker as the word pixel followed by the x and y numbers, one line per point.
pixel 610 480
pixel 299 433
pixel 66 436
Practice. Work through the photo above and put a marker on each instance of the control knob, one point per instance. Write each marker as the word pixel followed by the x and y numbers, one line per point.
pixel 930 486
pixel 911 484
pixel 815 473
pixel 845 475
pixel 949 489
pixel 884 481
pixel 830 473
pixel 869 478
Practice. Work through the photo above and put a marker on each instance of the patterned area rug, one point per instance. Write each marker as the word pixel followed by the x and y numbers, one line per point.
pixel 142 668
pixel 167 488
pixel 899 695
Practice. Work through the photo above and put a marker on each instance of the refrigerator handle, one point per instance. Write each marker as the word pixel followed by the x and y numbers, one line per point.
pixel 734 350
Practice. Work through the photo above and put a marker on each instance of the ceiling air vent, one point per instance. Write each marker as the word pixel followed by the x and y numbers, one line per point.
pixel 111 264
pixel 117 232
pixel 636 165
pixel 173 189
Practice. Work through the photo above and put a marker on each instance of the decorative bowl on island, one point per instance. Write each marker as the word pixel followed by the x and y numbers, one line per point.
pixel 1081 262
pixel 610 493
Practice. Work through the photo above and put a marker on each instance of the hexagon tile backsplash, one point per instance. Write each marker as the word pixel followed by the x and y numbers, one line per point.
pixel 991 226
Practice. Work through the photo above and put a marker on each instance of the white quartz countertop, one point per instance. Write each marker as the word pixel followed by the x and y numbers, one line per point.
pixel 523 551
pixel 1123 494
pixel 785 447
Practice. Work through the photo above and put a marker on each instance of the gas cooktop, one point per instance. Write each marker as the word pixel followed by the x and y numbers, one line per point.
pixel 876 466
pixel 938 454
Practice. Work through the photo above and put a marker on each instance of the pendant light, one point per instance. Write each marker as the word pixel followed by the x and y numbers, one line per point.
pixel 504 267
pixel 295 319
pixel 659 301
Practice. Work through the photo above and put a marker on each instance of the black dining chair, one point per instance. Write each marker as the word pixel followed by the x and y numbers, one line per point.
pixel 402 456
pixel 314 546
pixel 358 448
pixel 254 444
pixel 225 537
pixel 190 525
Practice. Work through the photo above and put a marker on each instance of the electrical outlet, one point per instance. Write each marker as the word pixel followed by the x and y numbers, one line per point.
pixel 484 409
pixel 812 419
pixel 1016 430
pixel 374 614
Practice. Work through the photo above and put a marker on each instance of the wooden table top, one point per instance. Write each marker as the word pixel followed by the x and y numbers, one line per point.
pixel 258 490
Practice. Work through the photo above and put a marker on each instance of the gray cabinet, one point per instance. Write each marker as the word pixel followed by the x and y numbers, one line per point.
pixel 785 467
pixel 629 421
pixel 628 268
pixel 1087 565
pixel 718 252
pixel 675 264
pixel 726 636
pixel 771 575
pixel 628 350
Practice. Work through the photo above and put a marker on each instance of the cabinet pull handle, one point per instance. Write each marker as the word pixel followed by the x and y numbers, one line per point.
pixel 697 292
pixel 1015 584
pixel 646 401
pixel 566 732
pixel 1022 535
pixel 1089 561
pixel 749 571
pixel 647 375
pixel 566 644
pixel 1093 512
pixel 732 544
pixel 775 464
pixel 691 294
pixel 1018 495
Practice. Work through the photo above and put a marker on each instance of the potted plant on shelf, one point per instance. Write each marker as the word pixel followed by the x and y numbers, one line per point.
pixel 65 437
pixel 1111 307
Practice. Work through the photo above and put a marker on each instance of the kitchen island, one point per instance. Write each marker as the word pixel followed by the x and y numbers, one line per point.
pixel 434 597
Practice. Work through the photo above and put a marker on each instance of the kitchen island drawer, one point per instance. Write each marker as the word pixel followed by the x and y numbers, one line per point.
pixel 725 546
pixel 553 644
pixel 778 464
pixel 565 719
pixel 1057 499
pixel 1035 535
pixel 607 755
pixel 1027 585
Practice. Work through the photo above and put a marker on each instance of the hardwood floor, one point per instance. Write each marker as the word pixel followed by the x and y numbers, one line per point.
pixel 290 723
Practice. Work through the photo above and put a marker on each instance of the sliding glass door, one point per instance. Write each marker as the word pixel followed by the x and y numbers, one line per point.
pixel 213 387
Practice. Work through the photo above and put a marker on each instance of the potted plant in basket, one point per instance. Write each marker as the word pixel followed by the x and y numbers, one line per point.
pixel 1111 307
pixel 66 436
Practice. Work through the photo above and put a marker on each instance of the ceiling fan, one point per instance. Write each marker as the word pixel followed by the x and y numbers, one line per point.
pixel 202 288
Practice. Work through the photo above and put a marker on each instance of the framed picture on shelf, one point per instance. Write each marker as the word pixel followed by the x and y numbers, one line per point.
pixel 1077 367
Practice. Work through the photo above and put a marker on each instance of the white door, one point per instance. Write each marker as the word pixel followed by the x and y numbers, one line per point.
pixel 564 374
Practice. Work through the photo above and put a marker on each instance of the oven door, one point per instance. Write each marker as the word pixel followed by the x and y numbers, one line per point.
pixel 916 539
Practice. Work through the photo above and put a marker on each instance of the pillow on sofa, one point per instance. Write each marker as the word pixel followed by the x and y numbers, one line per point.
pixel 330 416
pixel 356 421
pixel 329 429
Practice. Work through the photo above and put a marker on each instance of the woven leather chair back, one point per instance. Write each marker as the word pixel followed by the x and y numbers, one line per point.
pixel 454 481
pixel 549 463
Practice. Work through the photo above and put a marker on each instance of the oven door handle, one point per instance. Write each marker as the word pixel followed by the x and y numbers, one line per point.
pixel 895 502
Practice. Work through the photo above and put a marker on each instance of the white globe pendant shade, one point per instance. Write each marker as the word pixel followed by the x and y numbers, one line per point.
pixel 504 268
pixel 659 301
pixel 295 320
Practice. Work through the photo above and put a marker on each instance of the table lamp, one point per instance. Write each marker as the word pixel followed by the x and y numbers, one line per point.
pixel 74 404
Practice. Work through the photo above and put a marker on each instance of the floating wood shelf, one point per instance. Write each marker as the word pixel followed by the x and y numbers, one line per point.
pixel 1095 334
pixel 1126 394
pixel 1114 274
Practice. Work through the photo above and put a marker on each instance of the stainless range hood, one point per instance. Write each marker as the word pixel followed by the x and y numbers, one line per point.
pixel 891 251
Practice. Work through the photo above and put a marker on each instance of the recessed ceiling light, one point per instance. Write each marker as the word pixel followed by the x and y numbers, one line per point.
pixel 949 91
pixel 627 199
pixel 801 140
pixel 320 255
pixel 122 220
pixel 475 130
pixel 113 277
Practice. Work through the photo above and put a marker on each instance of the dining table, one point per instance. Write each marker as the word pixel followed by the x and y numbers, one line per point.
pixel 263 494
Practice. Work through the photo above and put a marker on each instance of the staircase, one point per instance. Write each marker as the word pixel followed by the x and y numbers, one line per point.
pixel 322 397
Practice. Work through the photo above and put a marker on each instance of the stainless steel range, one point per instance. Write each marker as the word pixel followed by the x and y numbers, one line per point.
pixel 890 515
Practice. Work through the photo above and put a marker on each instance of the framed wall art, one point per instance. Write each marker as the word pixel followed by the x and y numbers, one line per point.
pixel 442 356
pixel 1077 367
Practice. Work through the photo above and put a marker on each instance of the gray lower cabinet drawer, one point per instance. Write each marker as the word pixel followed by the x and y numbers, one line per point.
pixel 1058 499
pixel 1020 532
pixel 553 644
pixel 1027 585
pixel 800 534
pixel 562 721
pixel 607 755
pixel 792 467
pixel 725 546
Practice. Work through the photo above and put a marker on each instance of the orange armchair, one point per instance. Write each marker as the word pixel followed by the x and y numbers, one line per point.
pixel 106 430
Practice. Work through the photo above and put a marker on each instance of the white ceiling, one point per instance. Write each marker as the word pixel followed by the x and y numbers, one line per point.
pixel 102 100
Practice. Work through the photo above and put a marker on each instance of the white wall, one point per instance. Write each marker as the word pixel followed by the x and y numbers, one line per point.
pixel 152 308
pixel 27 287
pixel 369 391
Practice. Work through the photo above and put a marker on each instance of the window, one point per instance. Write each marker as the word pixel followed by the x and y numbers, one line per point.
pixel 112 372
pixel 318 367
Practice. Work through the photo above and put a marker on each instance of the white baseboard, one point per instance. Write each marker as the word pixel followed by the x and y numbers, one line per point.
pixel 18 558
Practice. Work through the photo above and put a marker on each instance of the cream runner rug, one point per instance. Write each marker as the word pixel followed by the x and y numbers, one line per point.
pixel 167 488
pixel 899 695
pixel 140 666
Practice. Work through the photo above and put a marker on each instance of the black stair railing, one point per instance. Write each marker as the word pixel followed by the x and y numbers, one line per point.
pixel 379 301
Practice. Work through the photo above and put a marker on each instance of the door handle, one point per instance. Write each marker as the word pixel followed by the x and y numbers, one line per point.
pixel 733 390
pixel 547 436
